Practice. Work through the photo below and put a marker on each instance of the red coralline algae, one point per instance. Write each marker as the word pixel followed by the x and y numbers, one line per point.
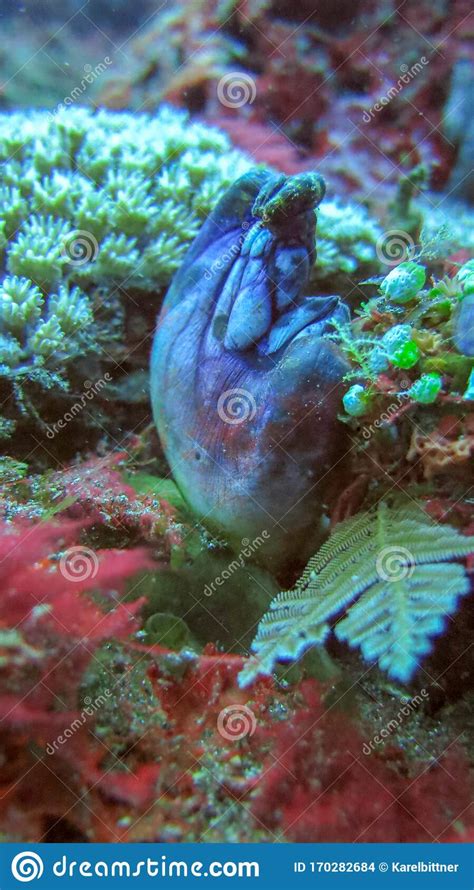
pixel 292 765
pixel 39 595
pixel 265 144
pixel 94 492
pixel 334 92
pixel 195 701
pixel 50 628
pixel 317 785
pixel 100 495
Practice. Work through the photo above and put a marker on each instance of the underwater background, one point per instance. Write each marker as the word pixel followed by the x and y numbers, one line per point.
pixel 236 420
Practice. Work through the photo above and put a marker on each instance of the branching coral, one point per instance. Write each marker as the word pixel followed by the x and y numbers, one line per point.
pixel 108 176
pixel 40 334
pixel 447 227
pixel 346 241
pixel 34 329
pixel 90 207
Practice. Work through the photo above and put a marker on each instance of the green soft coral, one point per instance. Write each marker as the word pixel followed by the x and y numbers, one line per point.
pixel 139 184
pixel 92 205
pixel 125 179
pixel 150 178
pixel 36 326
pixel 347 239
